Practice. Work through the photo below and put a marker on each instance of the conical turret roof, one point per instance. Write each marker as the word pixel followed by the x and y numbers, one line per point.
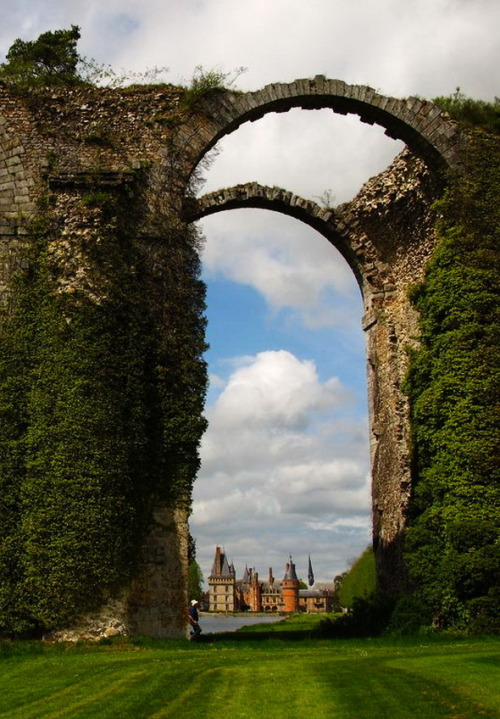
pixel 221 566
pixel 290 572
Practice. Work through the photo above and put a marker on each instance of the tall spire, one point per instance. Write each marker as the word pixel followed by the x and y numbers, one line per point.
pixel 310 573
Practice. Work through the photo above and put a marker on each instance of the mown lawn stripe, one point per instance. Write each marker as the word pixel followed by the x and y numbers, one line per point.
pixel 323 679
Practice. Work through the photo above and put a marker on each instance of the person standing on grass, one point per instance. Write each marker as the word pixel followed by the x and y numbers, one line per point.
pixel 194 621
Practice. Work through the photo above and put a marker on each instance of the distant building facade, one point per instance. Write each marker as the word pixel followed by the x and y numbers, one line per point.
pixel 228 594
pixel 315 601
pixel 222 585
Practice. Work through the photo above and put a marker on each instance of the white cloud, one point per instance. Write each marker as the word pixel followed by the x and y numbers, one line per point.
pixel 267 476
pixel 275 390
pixel 289 264
pixel 215 381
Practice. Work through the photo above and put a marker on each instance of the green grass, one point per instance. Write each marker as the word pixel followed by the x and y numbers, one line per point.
pixel 254 673
pixel 298 626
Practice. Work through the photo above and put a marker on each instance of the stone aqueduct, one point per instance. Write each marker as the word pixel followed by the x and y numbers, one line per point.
pixel 385 234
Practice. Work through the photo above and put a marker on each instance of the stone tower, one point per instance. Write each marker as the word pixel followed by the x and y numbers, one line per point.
pixel 254 595
pixel 290 588
pixel 221 582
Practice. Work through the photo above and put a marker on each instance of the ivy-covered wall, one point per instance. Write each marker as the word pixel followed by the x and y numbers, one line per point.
pixel 102 386
pixel 453 542
pixel 102 379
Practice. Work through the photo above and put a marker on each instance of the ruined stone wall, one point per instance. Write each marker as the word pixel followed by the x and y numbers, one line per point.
pixel 393 212
pixel 58 151
pixel 59 148
pixel 18 173
pixel 73 138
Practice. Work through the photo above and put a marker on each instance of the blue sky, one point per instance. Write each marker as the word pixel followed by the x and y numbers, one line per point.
pixel 285 465
pixel 287 444
pixel 242 323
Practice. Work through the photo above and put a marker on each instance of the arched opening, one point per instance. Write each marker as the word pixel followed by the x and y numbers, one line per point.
pixel 385 234
pixel 285 459
pixel 319 155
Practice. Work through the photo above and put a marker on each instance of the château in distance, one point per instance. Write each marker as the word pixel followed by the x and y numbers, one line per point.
pixel 251 594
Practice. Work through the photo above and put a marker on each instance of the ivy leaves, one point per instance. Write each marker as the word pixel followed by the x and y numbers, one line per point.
pixel 452 547
pixel 100 412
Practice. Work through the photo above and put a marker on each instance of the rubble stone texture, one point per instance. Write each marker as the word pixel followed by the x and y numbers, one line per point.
pixel 65 143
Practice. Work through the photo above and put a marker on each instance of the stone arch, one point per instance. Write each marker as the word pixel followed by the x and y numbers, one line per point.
pixel 386 236
pixel 166 159
pixel 254 195
pixel 421 125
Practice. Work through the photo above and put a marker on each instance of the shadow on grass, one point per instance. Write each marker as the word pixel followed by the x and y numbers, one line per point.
pixel 256 636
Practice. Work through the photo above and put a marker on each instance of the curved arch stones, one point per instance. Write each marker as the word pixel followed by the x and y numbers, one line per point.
pixel 387 251
pixel 385 234
pixel 276 199
pixel 421 125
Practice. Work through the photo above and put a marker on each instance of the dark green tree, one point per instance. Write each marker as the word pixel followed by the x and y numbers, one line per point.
pixel 50 60
pixel 359 581
pixel 195 575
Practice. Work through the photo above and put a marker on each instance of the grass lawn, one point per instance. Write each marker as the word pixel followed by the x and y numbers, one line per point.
pixel 274 671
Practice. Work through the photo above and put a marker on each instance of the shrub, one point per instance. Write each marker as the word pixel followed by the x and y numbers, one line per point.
pixel 369 617
pixel 359 581
pixel 472 113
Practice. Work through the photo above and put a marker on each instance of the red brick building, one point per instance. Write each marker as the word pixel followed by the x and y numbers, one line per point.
pixel 251 594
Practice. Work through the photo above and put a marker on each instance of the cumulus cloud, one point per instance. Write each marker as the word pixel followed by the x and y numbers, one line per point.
pixel 274 389
pixel 274 464
pixel 288 263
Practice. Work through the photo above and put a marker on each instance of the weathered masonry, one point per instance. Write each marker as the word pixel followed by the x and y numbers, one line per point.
pixel 59 147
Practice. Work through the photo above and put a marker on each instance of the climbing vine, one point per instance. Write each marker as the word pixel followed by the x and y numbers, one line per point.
pixel 453 542
pixel 101 394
